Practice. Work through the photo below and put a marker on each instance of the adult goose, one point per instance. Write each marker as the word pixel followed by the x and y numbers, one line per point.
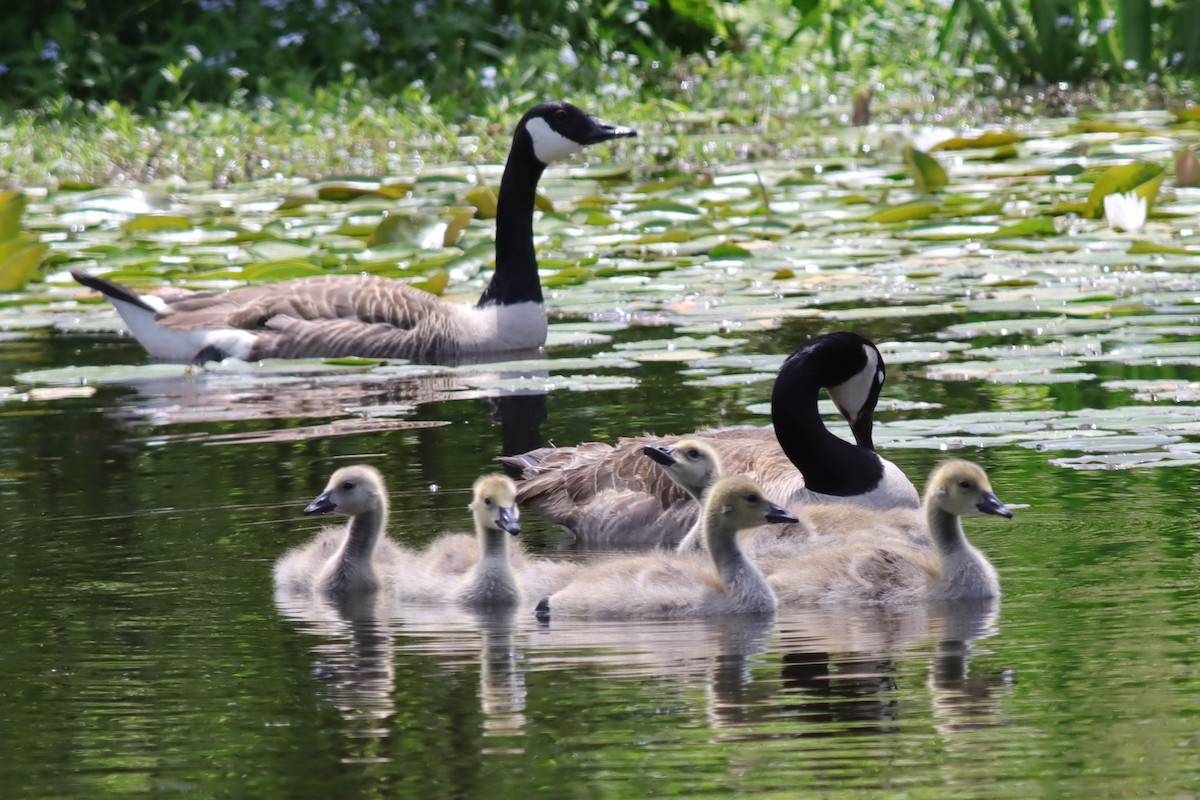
pixel 871 568
pixel 615 495
pixel 664 584
pixel 366 315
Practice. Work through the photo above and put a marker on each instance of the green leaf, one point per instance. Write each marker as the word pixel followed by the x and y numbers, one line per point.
pixel 728 251
pixel 282 270
pixel 150 223
pixel 904 212
pixel 12 206
pixel 1034 226
pixel 1138 176
pixel 19 260
pixel 436 284
pixel 485 201
pixel 1141 246
pixel 983 140
pixel 928 174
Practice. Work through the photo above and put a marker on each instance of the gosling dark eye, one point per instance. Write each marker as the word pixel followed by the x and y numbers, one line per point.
pixel 966 484
pixel 487 501
pixel 752 499
pixel 693 453
pixel 348 485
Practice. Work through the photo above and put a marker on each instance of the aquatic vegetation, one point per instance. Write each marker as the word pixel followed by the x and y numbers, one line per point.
pixel 1006 285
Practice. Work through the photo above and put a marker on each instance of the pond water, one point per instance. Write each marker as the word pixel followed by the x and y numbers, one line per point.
pixel 142 651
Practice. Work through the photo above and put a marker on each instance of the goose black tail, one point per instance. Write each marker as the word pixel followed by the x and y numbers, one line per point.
pixel 113 291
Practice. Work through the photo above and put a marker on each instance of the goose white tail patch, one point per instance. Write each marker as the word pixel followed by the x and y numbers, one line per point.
pixel 548 144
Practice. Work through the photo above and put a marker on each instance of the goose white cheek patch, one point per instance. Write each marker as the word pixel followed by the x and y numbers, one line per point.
pixel 548 144
pixel 853 393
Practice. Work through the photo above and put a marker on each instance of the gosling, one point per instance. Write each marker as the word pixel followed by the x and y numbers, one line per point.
pixel 665 584
pixel 344 561
pixel 896 570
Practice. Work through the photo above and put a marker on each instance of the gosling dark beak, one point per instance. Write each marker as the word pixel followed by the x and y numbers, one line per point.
pixel 601 131
pixel 780 514
pixel 506 520
pixel 990 504
pixel 322 505
pixel 662 453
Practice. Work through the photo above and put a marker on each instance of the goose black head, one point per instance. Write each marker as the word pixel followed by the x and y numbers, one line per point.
pixel 559 129
pixel 851 369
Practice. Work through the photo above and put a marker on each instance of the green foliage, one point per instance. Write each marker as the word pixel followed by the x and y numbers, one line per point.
pixel 221 50
pixel 20 253
pixel 1074 40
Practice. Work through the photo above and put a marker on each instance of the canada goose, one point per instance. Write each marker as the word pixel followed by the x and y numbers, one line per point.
pixel 895 569
pixel 481 571
pixel 604 493
pixel 694 465
pixel 663 584
pixel 344 561
pixel 365 315
pixel 491 581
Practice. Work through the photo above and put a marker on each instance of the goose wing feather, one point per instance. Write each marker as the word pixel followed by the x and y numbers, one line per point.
pixel 604 492
pixel 368 299
pixel 330 315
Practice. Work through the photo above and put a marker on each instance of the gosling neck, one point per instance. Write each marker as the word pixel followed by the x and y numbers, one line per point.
pixel 352 568
pixel 363 535
pixel 946 530
pixel 744 583
pixel 491 583
pixel 830 465
pixel 516 277
pixel 493 545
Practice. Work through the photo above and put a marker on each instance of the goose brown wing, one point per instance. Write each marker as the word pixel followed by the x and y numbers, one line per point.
pixel 366 299
pixel 597 489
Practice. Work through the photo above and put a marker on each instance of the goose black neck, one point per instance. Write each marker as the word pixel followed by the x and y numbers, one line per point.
pixel 830 465
pixel 516 277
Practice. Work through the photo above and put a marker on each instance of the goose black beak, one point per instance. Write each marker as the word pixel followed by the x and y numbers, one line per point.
pixel 322 505
pixel 506 520
pixel 601 131
pixel 990 504
pixel 780 514
pixel 661 453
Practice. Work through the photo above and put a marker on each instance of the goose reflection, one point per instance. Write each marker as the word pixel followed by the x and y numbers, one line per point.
pixel 353 657
pixel 340 400
pixel 492 638
pixel 839 669
pixel 965 700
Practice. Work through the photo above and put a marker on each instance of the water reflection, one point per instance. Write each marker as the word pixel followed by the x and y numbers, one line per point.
pixel 491 640
pixel 810 673
pixel 350 402
pixel 355 657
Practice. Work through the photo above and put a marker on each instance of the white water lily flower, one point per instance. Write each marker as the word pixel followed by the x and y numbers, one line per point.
pixel 1125 212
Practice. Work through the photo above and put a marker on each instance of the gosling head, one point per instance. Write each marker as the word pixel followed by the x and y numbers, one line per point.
pixel 351 491
pixel 742 503
pixel 691 464
pixel 961 488
pixel 557 130
pixel 495 503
